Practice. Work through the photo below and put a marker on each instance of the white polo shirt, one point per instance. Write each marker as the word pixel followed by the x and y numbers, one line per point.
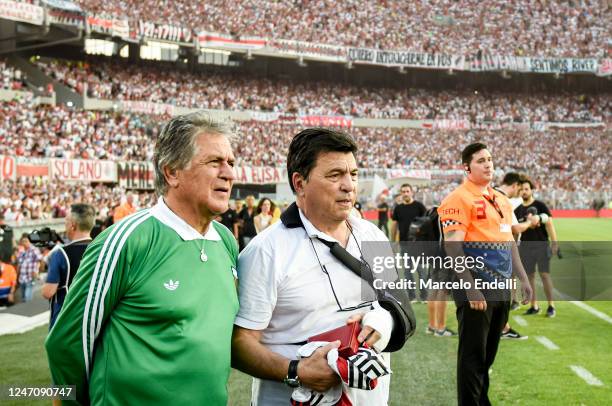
pixel 284 292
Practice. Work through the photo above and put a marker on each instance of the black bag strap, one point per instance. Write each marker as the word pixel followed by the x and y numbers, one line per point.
pixel 398 307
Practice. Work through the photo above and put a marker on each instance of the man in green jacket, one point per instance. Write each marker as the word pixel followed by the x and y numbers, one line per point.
pixel 149 316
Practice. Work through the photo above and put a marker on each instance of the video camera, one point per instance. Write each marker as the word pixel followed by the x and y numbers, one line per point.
pixel 44 238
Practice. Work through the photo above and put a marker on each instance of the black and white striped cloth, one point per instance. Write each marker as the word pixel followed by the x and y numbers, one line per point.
pixel 359 371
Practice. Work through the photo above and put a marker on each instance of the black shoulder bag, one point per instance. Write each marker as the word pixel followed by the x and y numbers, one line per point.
pixel 395 301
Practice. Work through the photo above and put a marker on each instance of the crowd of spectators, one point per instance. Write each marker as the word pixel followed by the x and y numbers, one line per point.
pixel 35 198
pixel 55 131
pixel 557 159
pixel 232 91
pixel 11 78
pixel 461 27
pixel 570 160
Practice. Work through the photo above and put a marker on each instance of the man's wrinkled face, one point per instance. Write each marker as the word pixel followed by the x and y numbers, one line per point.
pixel 331 188
pixel 208 179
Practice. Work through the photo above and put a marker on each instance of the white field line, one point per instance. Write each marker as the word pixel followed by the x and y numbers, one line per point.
pixel 15 324
pixel 547 343
pixel 582 305
pixel 520 321
pixel 586 375
pixel 593 311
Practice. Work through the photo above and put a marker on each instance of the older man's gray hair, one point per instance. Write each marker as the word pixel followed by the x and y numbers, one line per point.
pixel 176 144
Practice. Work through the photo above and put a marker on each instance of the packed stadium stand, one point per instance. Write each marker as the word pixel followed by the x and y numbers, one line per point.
pixel 536 28
pixel 509 75
pixel 10 77
pixel 234 91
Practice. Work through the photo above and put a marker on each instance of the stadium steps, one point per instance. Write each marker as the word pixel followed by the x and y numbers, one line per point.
pixel 39 79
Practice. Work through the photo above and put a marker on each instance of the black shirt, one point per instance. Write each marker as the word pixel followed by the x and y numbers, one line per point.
pixel 404 214
pixel 533 234
pixel 248 225
pixel 229 218
pixel 383 212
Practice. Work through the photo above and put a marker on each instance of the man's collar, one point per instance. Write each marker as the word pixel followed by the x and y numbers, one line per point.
pixel 163 213
pixel 475 189
pixel 293 217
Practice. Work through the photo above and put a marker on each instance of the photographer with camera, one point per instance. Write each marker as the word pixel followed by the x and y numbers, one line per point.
pixel 28 264
pixel 64 260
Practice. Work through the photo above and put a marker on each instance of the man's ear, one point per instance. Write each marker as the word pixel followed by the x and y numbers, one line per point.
pixel 298 183
pixel 171 176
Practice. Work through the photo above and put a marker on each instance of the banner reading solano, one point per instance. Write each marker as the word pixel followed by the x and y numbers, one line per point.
pixel 406 58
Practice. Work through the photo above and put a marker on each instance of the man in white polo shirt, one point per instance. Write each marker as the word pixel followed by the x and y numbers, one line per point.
pixel 291 287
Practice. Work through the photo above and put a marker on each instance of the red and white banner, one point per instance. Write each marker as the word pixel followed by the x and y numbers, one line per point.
pixel 112 26
pixel 308 49
pixel 24 12
pixel 421 174
pixel 32 167
pixel 8 167
pixel 260 175
pixel 605 67
pixel 164 32
pixel 264 116
pixel 215 40
pixel 136 175
pixel 83 170
pixel 327 121
pixel 148 107
pixel 451 125
pixel 57 16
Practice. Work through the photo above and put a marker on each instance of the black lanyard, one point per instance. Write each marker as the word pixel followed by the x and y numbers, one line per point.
pixel 494 204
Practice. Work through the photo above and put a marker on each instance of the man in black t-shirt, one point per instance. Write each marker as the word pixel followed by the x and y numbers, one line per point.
pixel 383 214
pixel 229 219
pixel 404 214
pixel 534 248
pixel 247 217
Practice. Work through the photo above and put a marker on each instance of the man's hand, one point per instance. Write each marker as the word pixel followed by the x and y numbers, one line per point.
pixel 314 372
pixel 11 297
pixel 367 333
pixel 526 292
pixel 477 300
pixel 555 248
pixel 534 220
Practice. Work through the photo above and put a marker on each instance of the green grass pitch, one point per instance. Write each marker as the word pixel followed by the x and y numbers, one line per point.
pixel 524 373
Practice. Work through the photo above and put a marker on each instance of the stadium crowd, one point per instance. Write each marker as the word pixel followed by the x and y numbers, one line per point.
pixel 12 78
pixel 227 91
pixel 47 131
pixel 574 161
pixel 527 28
pixel 32 198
